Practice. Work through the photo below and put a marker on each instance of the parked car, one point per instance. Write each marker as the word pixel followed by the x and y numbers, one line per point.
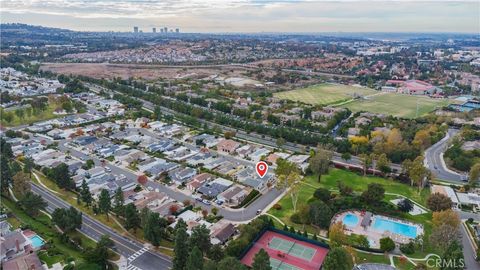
pixel 207 202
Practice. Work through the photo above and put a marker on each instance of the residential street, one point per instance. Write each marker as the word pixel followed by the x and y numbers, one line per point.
pixel 123 245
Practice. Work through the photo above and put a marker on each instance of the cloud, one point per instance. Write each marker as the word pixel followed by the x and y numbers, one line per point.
pixel 249 15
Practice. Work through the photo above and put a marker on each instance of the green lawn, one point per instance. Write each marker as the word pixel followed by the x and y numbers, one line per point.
pixel 34 117
pixel 367 257
pixel 44 227
pixel 324 94
pixel 398 105
pixel 359 183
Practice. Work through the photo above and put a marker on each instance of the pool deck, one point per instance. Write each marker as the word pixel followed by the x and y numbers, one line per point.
pixel 372 234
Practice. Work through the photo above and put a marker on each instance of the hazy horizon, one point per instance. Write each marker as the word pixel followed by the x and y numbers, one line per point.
pixel 249 16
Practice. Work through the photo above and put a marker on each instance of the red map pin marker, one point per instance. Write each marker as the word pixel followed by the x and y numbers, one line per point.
pixel 261 168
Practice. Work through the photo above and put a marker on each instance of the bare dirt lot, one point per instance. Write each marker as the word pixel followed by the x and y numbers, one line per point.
pixel 149 72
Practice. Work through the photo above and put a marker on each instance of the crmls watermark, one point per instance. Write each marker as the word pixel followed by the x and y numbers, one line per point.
pixel 443 263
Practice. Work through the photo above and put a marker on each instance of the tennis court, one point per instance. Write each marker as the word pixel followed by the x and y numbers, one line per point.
pixel 279 265
pixel 286 252
pixel 292 248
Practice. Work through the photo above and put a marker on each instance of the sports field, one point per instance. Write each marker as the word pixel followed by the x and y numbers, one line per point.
pixel 325 94
pixel 287 253
pixel 398 105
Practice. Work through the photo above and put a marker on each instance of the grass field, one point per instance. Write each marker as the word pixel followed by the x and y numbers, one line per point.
pixel 397 105
pixel 324 94
pixel 32 118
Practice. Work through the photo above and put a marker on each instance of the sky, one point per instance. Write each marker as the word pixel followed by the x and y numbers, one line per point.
pixel 248 16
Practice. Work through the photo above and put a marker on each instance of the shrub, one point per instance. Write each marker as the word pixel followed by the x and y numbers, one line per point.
pixel 277 206
pixel 387 244
pixel 295 218
pixel 408 248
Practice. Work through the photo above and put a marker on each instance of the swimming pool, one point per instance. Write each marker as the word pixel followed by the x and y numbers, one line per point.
pixel 37 241
pixel 382 225
pixel 350 220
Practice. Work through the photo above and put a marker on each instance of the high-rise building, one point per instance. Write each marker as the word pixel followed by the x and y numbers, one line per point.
pixel 177 30
pixel 135 29
pixel 161 30
pixel 154 29
pixel 165 29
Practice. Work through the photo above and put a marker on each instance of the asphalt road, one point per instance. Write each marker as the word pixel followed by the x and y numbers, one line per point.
pixel 434 159
pixel 125 246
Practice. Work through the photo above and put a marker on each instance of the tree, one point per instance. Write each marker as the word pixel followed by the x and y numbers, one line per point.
pixel 5 173
pixel 104 202
pixel 453 253
pixel 67 219
pixel 337 235
pixel 288 176
pixel 89 164
pixel 32 203
pixel 320 214
pixel 99 254
pixel 21 184
pixel 280 142
pixel 118 201
pixel 439 202
pixel 200 238
pixel 374 194
pixel 405 205
pixel 195 260
pixel 474 174
pixel 180 248
pixel 387 244
pixel 446 217
pixel 154 228
pixel 216 253
pixel 261 261
pixel 230 263
pixel 132 219
pixel 338 259
pixel 85 194
pixel 366 162
pixel 444 235
pixel 320 162
pixel 417 172
pixel 383 163
pixel 322 194
pixel 28 165
pixel 142 179
pixel 346 156
pixel 62 177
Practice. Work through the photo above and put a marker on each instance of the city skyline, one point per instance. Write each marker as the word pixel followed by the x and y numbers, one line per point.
pixel 246 16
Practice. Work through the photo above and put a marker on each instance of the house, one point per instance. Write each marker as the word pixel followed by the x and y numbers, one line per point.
pixel 198 180
pixel 182 175
pixel 300 160
pixel 245 150
pixel 223 234
pixel 28 261
pixel 128 156
pixel 13 244
pixel 215 187
pixel 227 146
pixel 469 199
pixel 234 195
pixel 204 139
pixel 272 158
pixel 413 87
pixel 258 154
pixel 4 227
